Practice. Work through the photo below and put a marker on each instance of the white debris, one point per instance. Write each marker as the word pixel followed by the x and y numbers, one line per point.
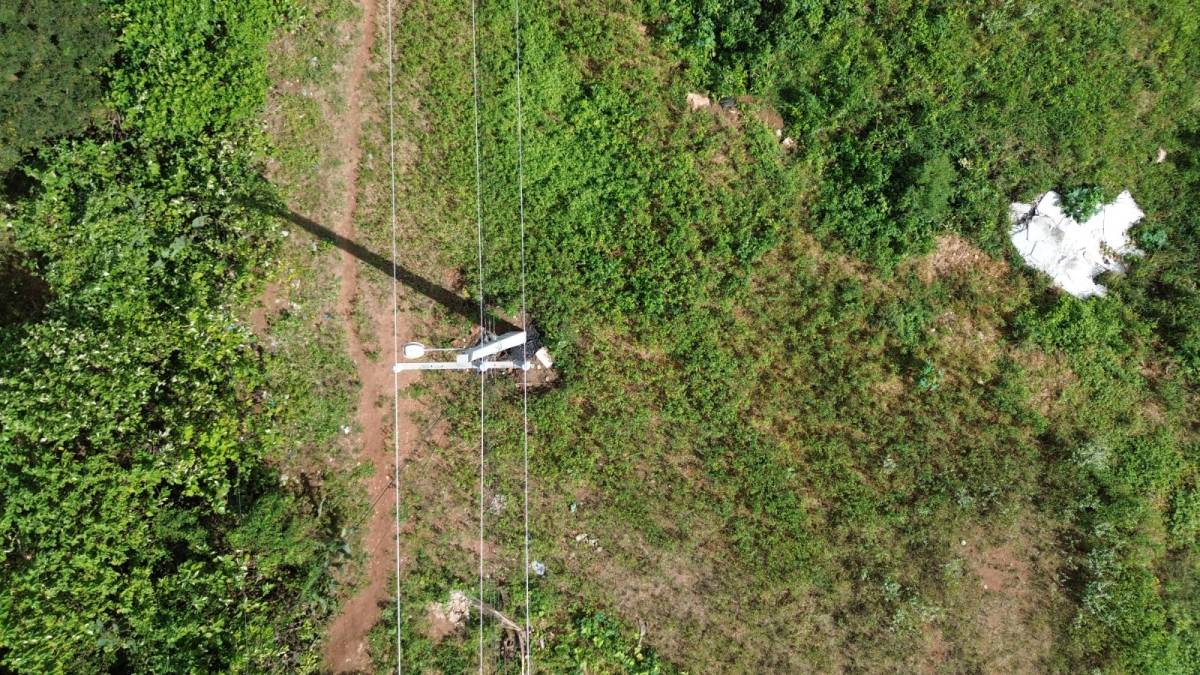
pixel 346 429
pixel 1161 156
pixel 1074 253
pixel 538 568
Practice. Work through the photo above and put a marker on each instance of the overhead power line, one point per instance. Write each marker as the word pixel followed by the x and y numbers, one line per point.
pixel 395 325
pixel 479 241
pixel 528 642
pixel 492 352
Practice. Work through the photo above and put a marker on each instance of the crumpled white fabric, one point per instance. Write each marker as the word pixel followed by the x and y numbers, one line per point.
pixel 1073 253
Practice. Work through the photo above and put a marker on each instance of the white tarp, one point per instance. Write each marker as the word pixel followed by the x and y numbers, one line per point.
pixel 1074 253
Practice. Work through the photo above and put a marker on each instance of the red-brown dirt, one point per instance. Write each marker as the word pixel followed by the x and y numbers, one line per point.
pixel 346 649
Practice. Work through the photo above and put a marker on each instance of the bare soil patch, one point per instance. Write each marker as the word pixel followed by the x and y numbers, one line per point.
pixel 1014 579
pixel 346 649
pixel 269 304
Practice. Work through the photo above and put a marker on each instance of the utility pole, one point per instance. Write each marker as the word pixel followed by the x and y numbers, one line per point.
pixel 479 357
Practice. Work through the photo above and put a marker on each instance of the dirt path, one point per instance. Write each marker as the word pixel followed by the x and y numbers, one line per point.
pixel 346 650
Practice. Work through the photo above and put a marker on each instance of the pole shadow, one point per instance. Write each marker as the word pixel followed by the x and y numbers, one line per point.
pixel 445 297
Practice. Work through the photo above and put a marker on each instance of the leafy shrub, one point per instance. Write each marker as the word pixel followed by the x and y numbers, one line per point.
pixel 52 54
pixel 883 203
pixel 150 534
pixel 1150 237
pixel 1081 203
pixel 1185 516
pixel 188 70
pixel 1074 325
pixel 597 643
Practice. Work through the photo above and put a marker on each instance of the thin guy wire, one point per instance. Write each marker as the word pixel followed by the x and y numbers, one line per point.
pixel 395 327
pixel 479 240
pixel 524 328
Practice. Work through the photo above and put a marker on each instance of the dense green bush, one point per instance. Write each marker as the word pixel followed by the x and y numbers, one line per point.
pixel 52 55
pixel 189 70
pixel 1081 203
pixel 145 530
pixel 595 643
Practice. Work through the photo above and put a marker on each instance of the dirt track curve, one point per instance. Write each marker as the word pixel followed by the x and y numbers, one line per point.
pixel 346 649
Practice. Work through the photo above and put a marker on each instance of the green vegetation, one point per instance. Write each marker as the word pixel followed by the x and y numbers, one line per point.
pixel 52 56
pixel 808 403
pixel 1023 97
pixel 748 411
pixel 1082 203
pixel 146 527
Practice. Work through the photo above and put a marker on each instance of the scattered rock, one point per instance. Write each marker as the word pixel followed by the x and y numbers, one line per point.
pixel 446 618
pixel 583 538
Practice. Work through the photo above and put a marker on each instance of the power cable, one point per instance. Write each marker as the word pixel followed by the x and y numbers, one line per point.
pixel 395 325
pixel 479 241
pixel 528 660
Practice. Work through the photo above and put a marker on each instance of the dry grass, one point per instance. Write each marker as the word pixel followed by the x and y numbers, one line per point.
pixel 955 258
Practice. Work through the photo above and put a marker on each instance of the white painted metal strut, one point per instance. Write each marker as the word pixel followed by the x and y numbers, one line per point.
pixel 470 359
pixel 456 365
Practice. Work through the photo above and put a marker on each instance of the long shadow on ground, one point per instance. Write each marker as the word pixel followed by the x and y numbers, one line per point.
pixel 439 294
